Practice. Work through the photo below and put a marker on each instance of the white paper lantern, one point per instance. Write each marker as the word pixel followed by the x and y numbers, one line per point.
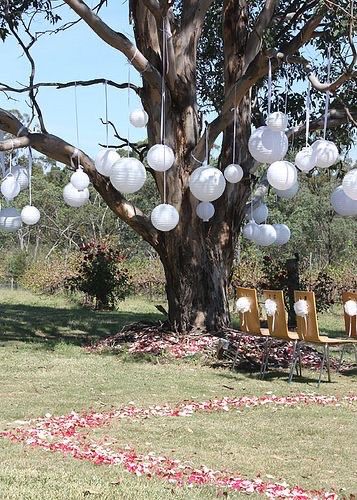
pixel 73 197
pixel 79 179
pixel 30 215
pixel 282 234
pixel 277 121
pixel 164 217
pixel 10 220
pixel 243 305
pixel 301 308
pixel 205 210
pixel 305 160
pixel 267 146
pixel 138 118
pixel 248 230
pixel 349 184
pixel 160 157
pixel 260 213
pixel 207 183
pixel 264 235
pixel 104 161
pixel 128 175
pixel 282 175
pixel 343 204
pixel 10 188
pixel 233 173
pixel 326 153
pixel 350 307
pixel 288 193
pixel 21 174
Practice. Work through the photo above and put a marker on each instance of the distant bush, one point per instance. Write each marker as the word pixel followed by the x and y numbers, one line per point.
pixel 147 277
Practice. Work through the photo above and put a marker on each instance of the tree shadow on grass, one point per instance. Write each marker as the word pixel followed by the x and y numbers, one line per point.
pixel 51 325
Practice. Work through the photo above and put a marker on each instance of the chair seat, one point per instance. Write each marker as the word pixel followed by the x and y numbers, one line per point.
pixel 336 341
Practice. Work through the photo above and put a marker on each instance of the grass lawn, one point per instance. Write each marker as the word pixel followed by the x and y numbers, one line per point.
pixel 43 370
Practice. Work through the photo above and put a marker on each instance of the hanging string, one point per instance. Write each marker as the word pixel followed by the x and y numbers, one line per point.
pixel 308 108
pixel 234 125
pixel 269 86
pixel 128 105
pixel 76 112
pixel 30 159
pixel 287 89
pixel 106 114
pixel 327 98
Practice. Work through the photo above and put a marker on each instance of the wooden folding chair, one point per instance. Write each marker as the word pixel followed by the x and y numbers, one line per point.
pixel 308 331
pixel 350 323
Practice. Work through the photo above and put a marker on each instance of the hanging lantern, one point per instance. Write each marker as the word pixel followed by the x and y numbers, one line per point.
pixel 73 197
pixel 21 175
pixel 207 183
pixel 248 230
pixel 128 175
pixel 349 184
pixel 160 157
pixel 277 121
pixel 282 234
pixel 10 220
pixel 260 213
pixel 264 235
pixel 104 161
pixel 164 217
pixel 326 153
pixel 267 146
pixel 30 215
pixel 10 188
pixel 79 179
pixel 343 204
pixel 288 193
pixel 305 160
pixel 233 173
pixel 205 210
pixel 282 175
pixel 138 118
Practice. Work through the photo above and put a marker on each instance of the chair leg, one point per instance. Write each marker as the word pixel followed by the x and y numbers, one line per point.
pixel 236 354
pixel 293 362
pixel 355 348
pixel 328 363
pixel 300 362
pixel 341 357
pixel 322 365
pixel 265 360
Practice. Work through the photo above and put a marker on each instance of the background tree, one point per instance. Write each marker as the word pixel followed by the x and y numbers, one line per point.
pixel 218 57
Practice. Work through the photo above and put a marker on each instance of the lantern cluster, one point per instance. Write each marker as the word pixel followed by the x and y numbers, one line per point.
pixel 263 234
pixel 76 192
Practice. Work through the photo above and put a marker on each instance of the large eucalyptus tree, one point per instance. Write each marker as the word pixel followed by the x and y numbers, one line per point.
pixel 217 58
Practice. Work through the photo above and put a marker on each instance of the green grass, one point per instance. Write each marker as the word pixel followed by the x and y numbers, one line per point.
pixel 49 372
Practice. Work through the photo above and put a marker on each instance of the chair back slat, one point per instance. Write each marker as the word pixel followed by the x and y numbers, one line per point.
pixel 278 326
pixel 350 321
pixel 307 328
pixel 249 321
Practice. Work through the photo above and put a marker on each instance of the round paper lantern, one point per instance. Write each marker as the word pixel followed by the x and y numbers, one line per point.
pixel 277 121
pixel 326 153
pixel 264 235
pixel 260 213
pixel 30 215
pixel 104 161
pixel 343 204
pixel 205 210
pixel 160 157
pixel 128 175
pixel 21 175
pixel 305 160
pixel 233 173
pixel 267 146
pixel 349 184
pixel 79 179
pixel 288 193
pixel 282 234
pixel 73 197
pixel 282 175
pixel 10 188
pixel 164 217
pixel 138 118
pixel 10 220
pixel 207 183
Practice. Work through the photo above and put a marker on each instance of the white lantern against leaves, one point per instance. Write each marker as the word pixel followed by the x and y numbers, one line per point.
pixel 282 175
pixel 349 184
pixel 10 220
pixel 128 175
pixel 80 179
pixel 233 173
pixel 277 121
pixel 21 174
pixel 343 204
pixel 260 213
pixel 264 235
pixel 305 160
pixel 267 146
pixel 75 198
pixel 326 153
pixel 282 234
pixel 138 118
pixel 30 215
pixel 104 161
pixel 205 210
pixel 249 229
pixel 160 157
pixel 207 183
pixel 288 193
pixel 10 188
pixel 164 217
